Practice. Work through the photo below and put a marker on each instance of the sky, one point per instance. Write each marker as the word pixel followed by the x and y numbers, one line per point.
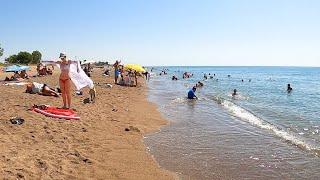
pixel 166 32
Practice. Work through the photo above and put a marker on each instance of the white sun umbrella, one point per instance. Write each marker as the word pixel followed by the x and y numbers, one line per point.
pixel 88 62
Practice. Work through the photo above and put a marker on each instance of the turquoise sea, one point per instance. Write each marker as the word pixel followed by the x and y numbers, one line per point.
pixel 262 133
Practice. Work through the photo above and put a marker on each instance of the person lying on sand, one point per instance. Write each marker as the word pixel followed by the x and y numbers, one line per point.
pixel 107 72
pixel 15 77
pixel 42 89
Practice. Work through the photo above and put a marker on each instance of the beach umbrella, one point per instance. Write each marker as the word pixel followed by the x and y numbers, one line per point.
pixel 15 68
pixel 135 67
pixel 88 62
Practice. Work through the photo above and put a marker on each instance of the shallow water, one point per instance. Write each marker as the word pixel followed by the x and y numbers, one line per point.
pixel 263 133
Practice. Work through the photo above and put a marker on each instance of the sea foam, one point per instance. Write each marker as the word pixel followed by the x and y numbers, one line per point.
pixel 249 117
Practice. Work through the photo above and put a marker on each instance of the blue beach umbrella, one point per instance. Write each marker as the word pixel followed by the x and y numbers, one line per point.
pixel 15 68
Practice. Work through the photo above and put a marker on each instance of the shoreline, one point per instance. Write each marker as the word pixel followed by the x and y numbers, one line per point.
pixel 253 135
pixel 95 147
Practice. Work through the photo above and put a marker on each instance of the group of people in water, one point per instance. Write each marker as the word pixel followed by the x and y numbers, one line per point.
pixel 191 92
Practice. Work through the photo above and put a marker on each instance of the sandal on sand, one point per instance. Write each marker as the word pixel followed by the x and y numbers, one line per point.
pixel 42 107
pixel 17 120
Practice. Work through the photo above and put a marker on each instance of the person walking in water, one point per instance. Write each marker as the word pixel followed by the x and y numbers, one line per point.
pixel 234 93
pixel 289 88
pixel 191 93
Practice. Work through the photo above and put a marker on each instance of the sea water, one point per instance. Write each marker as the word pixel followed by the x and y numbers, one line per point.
pixel 262 133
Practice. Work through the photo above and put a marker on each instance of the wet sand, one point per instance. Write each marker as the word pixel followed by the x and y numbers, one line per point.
pixel 95 147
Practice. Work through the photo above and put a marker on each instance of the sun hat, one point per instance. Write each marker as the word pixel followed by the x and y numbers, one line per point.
pixel 62 55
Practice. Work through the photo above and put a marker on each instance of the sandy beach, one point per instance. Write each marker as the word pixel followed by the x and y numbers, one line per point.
pixel 94 147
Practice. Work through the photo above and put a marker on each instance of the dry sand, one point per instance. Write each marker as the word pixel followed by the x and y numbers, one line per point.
pixel 95 147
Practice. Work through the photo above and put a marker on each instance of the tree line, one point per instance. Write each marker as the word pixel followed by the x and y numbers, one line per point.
pixel 24 57
pixel 1 51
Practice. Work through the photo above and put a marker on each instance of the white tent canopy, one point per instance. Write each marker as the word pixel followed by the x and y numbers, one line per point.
pixel 88 62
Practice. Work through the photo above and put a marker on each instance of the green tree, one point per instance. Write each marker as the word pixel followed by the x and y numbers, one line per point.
pixel 36 57
pixel 24 58
pixel 1 51
pixel 11 59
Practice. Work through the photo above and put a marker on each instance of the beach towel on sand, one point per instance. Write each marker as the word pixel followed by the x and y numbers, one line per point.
pixel 79 79
pixel 55 112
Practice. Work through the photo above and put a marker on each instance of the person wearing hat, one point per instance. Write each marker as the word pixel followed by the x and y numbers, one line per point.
pixel 64 78
pixel 191 93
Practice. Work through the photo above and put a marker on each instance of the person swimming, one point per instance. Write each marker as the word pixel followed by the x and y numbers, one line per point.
pixel 205 76
pixel 199 84
pixel 234 93
pixel 174 78
pixel 289 88
pixel 191 93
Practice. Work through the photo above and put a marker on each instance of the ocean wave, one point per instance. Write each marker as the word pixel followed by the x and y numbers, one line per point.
pixel 152 74
pixel 249 117
pixel 179 100
pixel 238 97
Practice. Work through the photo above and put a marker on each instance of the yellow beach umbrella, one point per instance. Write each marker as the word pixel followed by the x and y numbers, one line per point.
pixel 135 67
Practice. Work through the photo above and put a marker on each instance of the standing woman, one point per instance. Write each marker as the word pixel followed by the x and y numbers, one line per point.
pixel 64 78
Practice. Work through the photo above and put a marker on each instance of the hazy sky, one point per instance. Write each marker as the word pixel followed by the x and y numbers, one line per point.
pixel 166 32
